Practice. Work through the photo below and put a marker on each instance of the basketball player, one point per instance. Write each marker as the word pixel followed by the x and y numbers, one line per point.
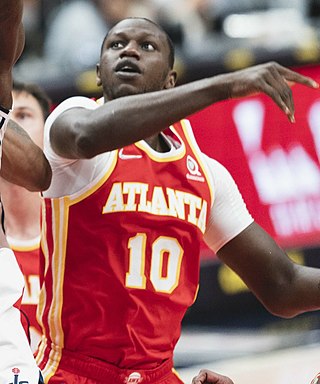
pixel 23 162
pixel 131 198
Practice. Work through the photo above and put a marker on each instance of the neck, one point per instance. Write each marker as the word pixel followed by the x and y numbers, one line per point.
pixel 158 143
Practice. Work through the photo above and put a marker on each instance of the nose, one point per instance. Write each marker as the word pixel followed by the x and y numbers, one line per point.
pixel 131 50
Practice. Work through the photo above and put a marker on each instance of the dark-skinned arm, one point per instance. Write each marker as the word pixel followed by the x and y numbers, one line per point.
pixel 11 43
pixel 286 289
pixel 81 133
pixel 23 162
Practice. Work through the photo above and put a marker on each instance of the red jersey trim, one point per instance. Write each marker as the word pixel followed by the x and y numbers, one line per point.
pixel 163 157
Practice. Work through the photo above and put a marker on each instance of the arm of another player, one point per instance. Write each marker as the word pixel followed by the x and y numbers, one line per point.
pixel 11 45
pixel 23 162
pixel 206 376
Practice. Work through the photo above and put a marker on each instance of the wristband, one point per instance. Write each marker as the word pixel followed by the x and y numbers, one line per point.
pixel 4 118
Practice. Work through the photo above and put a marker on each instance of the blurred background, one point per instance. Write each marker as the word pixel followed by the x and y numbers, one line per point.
pixel 275 163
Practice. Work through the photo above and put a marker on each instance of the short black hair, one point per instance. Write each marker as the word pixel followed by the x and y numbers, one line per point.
pixel 38 93
pixel 169 41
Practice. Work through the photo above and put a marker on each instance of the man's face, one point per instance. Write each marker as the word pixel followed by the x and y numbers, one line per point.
pixel 134 60
pixel 28 113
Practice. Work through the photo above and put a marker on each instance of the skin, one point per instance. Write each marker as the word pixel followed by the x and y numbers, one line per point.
pixel 144 95
pixel 12 43
pixel 205 377
pixel 23 162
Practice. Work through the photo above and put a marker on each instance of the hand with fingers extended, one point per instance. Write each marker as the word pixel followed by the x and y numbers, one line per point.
pixel 272 79
pixel 206 376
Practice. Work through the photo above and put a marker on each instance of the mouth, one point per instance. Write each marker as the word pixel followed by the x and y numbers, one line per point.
pixel 127 69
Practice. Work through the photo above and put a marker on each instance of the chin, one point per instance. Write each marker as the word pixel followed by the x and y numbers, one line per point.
pixel 126 93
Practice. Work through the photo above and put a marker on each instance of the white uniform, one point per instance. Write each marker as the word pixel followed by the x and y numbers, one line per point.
pixel 16 360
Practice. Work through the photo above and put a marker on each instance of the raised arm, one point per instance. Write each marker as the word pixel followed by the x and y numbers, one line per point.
pixel 81 133
pixel 23 162
pixel 11 43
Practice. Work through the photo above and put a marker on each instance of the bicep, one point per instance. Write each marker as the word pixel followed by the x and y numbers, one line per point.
pixel 23 162
pixel 71 133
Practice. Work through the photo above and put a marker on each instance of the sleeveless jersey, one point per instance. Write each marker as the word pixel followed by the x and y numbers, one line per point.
pixel 121 257
pixel 28 259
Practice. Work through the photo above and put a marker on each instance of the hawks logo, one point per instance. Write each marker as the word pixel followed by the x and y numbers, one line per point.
pixel 133 378
pixel 16 372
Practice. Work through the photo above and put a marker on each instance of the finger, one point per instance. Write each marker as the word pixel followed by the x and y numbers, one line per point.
pixel 209 377
pixel 200 378
pixel 278 82
pixel 280 100
pixel 216 378
pixel 294 77
pixel 290 83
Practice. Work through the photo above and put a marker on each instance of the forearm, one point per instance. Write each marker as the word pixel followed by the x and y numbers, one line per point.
pixel 129 119
pixel 283 287
pixel 302 294
pixel 86 133
pixel 23 162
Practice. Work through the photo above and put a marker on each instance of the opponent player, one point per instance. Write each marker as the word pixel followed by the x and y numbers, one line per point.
pixel 124 222
pixel 31 107
pixel 24 163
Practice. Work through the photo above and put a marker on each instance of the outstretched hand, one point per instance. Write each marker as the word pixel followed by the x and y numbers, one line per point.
pixel 208 377
pixel 272 79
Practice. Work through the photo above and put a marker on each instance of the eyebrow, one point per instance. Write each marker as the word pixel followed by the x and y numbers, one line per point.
pixel 124 34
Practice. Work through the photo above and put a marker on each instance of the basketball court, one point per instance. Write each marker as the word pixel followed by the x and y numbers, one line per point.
pixel 250 357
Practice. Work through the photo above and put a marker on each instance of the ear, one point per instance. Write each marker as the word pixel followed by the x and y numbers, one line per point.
pixel 98 78
pixel 171 79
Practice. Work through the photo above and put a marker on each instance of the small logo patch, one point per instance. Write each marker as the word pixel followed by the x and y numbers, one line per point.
pixel 16 380
pixel 193 168
pixel 133 378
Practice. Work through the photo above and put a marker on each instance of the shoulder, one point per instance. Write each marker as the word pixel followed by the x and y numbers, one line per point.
pixel 218 173
pixel 55 160
pixel 72 102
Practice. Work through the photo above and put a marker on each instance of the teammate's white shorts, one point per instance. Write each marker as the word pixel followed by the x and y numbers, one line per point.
pixel 17 363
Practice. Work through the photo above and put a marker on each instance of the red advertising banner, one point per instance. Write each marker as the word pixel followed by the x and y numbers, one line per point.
pixel 274 162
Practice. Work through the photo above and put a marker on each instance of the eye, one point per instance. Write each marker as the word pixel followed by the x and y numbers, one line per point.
pixel 117 44
pixel 148 46
pixel 21 115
